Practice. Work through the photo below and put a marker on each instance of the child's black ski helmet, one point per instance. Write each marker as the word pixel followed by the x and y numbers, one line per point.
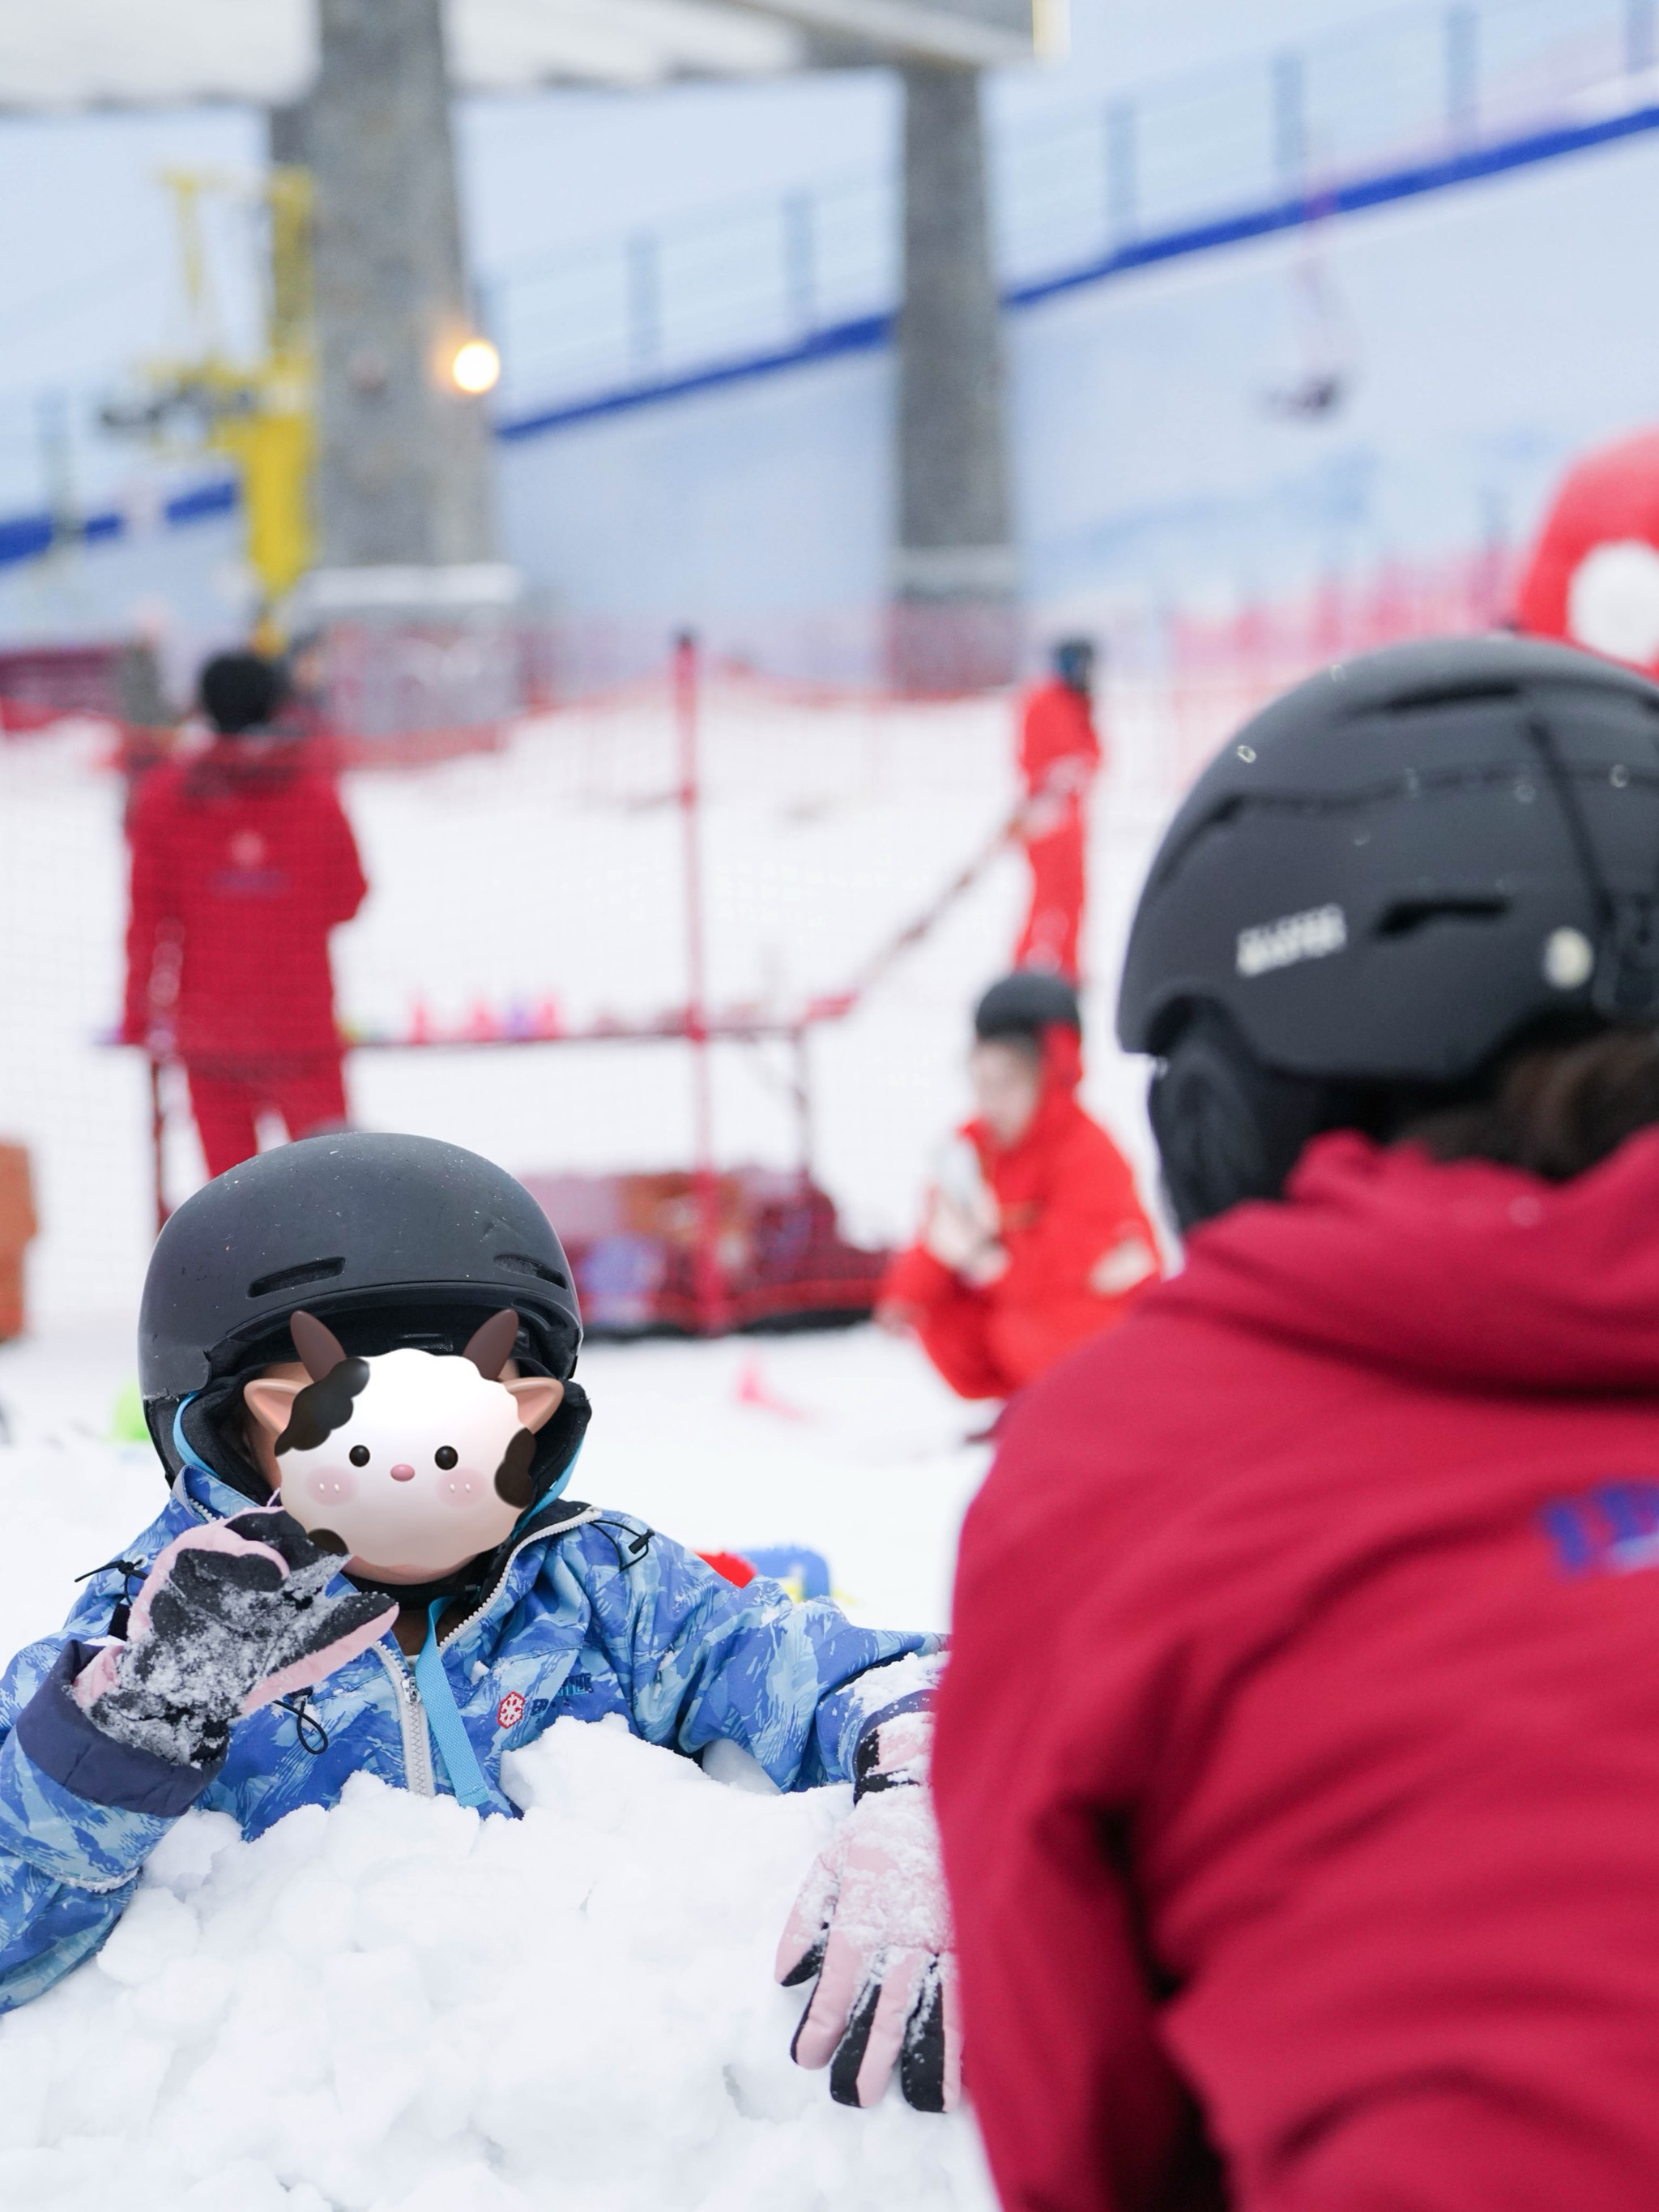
pixel 1387 877
pixel 391 1240
pixel 1025 1004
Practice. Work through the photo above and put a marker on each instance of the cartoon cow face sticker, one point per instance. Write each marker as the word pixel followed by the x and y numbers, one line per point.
pixel 412 1463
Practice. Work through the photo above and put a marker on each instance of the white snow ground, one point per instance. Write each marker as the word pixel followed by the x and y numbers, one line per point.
pixel 391 2007
pixel 398 2007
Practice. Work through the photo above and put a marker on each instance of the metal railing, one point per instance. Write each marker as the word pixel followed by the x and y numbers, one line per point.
pixel 763 275
pixel 1080 189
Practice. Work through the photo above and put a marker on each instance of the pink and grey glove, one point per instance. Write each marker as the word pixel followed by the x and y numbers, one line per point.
pixel 873 1921
pixel 231 1616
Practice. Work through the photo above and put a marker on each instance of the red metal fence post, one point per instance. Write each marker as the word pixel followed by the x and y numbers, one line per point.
pixel 708 1282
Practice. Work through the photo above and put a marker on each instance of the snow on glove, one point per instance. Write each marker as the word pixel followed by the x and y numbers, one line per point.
pixel 231 1616
pixel 873 1921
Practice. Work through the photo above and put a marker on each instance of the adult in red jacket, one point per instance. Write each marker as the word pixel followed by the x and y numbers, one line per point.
pixel 1034 1239
pixel 242 863
pixel 1298 1758
pixel 1059 756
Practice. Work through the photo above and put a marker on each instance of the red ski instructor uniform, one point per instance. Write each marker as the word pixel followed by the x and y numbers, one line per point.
pixel 1304 1703
pixel 242 863
pixel 1067 1205
pixel 1059 756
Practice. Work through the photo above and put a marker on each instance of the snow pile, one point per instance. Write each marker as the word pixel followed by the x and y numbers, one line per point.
pixel 398 2007
pixel 392 2007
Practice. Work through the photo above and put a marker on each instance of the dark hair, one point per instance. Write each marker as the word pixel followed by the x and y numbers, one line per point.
pixel 1025 1005
pixel 239 691
pixel 1073 659
pixel 1555 1108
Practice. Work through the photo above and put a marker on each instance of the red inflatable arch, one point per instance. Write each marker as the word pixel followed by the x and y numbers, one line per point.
pixel 1592 577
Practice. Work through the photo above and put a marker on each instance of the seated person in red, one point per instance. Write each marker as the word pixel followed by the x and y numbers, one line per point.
pixel 242 863
pixel 1034 1239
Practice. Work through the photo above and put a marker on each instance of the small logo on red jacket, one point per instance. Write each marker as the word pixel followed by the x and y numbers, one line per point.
pixel 1611 1529
pixel 510 1712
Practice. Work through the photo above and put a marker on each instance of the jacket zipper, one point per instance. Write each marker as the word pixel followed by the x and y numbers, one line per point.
pixel 418 1773
pixel 411 1719
pixel 418 1777
pixel 536 1535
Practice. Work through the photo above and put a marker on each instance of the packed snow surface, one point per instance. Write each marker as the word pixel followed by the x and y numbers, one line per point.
pixel 398 2005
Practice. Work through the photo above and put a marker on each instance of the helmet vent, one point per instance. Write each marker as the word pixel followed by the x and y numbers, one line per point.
pixel 295 1278
pixel 1447 695
pixel 522 1264
pixel 1406 916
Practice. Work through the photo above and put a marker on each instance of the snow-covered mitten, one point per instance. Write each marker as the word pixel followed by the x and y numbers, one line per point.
pixel 231 1616
pixel 873 1921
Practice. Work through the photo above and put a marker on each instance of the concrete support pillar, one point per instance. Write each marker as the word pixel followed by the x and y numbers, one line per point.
pixel 955 575
pixel 405 465
pixel 288 143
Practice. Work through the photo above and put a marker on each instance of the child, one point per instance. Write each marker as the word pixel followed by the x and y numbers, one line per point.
pixel 1035 1240
pixel 228 1661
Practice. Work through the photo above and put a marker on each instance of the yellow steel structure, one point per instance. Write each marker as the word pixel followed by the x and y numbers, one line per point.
pixel 260 414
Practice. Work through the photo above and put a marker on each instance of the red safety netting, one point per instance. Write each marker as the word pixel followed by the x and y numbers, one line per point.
pixel 690 950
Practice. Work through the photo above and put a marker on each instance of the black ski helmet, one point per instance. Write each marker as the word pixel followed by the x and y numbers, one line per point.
pixel 1388 875
pixel 1025 1004
pixel 391 1240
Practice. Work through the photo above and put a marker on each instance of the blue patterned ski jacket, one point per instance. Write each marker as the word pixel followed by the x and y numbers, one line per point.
pixel 594 1613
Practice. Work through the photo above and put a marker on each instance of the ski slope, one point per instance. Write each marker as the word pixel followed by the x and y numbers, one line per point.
pixel 554 867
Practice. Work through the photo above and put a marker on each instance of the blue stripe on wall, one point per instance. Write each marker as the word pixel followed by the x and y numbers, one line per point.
pixel 26 537
pixel 871 332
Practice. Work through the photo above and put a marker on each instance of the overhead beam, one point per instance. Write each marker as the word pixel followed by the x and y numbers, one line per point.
pixel 65 54
pixel 912 31
pixel 509 44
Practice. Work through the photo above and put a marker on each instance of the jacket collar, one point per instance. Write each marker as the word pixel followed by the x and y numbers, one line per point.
pixel 204 1496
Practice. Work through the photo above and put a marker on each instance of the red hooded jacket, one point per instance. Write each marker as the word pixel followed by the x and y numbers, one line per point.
pixel 1066 1199
pixel 1299 1757
pixel 1057 725
pixel 241 864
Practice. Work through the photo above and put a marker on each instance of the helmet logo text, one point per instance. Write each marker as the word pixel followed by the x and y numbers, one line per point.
pixel 1314 935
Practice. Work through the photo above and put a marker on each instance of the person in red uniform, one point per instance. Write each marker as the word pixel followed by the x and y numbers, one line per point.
pixel 1059 756
pixel 1297 1762
pixel 242 863
pixel 1034 1239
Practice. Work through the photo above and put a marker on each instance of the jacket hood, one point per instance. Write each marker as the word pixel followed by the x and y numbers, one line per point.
pixel 1468 1272
pixel 209 1495
pixel 1062 1060
pixel 253 763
